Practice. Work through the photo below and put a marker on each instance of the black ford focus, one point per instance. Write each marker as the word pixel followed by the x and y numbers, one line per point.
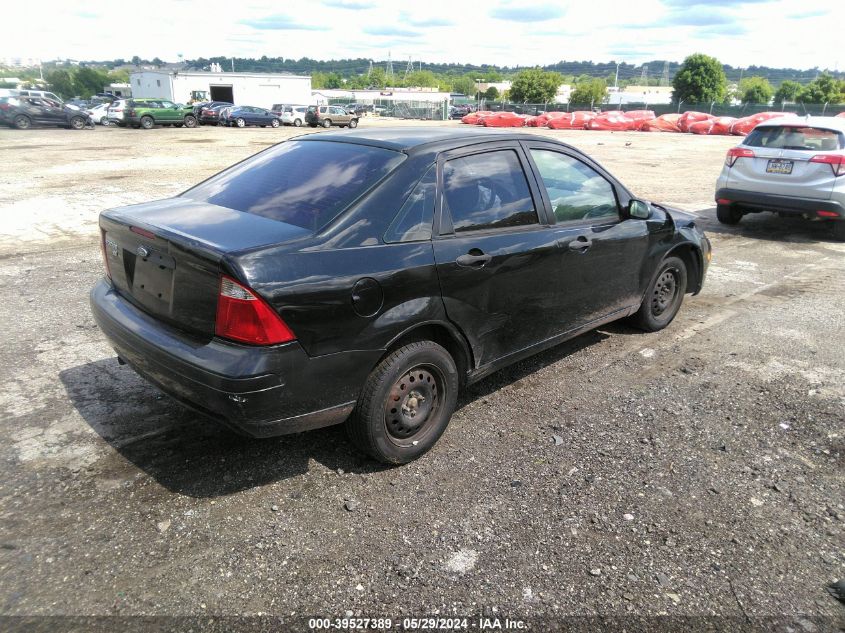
pixel 365 277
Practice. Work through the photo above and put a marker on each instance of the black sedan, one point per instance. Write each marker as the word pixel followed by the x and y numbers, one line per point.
pixel 26 112
pixel 242 116
pixel 207 113
pixel 407 264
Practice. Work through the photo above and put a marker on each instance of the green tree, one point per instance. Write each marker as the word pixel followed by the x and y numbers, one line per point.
pixel 700 79
pixel 422 78
pixel 755 90
pixel 88 81
pixel 464 85
pixel 61 83
pixel 378 78
pixel 158 62
pixel 590 92
pixel 492 93
pixel 136 61
pixel 787 91
pixel 823 89
pixel 535 86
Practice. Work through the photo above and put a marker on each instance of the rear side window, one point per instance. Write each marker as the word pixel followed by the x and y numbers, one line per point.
pixel 795 137
pixel 305 183
pixel 487 191
pixel 414 220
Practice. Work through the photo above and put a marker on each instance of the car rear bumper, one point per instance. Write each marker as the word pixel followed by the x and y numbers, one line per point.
pixel 258 391
pixel 787 205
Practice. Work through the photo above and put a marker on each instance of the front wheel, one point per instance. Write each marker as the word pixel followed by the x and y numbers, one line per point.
pixel 406 403
pixel 297 122
pixel 726 214
pixel 22 122
pixel 274 123
pixel 327 123
pixel 240 122
pixel 190 121
pixel 664 296
pixel 147 122
pixel 353 123
pixel 77 123
pixel 104 121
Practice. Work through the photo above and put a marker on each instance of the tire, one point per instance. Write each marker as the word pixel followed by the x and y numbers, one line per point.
pixel 104 121
pixel 297 122
pixel 664 296
pixel 147 122
pixel 353 123
pixel 240 122
pixel 190 121
pixel 839 230
pixel 77 123
pixel 327 123
pixel 274 123
pixel 22 122
pixel 726 214
pixel 417 379
pixel 312 125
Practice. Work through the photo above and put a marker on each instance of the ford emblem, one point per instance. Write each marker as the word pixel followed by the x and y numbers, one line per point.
pixel 142 252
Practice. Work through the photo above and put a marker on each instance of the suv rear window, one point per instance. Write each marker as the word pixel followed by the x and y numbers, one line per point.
pixel 302 183
pixel 795 137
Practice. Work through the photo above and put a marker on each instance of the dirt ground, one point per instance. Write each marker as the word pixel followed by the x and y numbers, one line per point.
pixel 695 473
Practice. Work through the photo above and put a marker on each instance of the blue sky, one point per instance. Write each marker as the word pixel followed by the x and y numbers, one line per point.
pixel 504 32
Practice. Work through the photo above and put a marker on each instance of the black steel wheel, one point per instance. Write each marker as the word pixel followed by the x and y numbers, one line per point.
pixel 406 403
pixel 22 122
pixel 147 122
pixel 726 214
pixel 664 296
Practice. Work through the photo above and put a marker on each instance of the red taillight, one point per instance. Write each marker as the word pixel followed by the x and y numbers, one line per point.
pixel 244 317
pixel 723 201
pixel 144 232
pixel 827 214
pixel 836 162
pixel 104 252
pixel 737 152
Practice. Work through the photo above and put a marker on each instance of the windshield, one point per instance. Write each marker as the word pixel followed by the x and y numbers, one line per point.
pixel 302 183
pixel 795 137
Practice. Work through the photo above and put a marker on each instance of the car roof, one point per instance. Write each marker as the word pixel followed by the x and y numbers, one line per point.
pixel 406 139
pixel 824 122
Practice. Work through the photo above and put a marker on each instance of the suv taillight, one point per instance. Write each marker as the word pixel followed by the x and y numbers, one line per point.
pixel 836 162
pixel 737 152
pixel 244 317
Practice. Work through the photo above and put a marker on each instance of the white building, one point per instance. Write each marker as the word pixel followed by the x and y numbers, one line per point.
pixel 255 89
pixel 651 95
pixel 426 95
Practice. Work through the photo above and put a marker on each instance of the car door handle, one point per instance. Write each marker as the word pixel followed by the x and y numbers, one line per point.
pixel 580 243
pixel 473 260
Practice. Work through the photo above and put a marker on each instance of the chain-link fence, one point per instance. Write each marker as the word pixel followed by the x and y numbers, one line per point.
pixel 421 110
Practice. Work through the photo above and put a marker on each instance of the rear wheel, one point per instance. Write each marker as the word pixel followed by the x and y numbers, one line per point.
pixel 190 121
pixel 406 403
pixel 240 122
pixel 297 122
pixel 77 123
pixel 839 230
pixel 22 122
pixel 353 123
pixel 726 214
pixel 104 121
pixel 327 122
pixel 274 123
pixel 664 297
pixel 147 122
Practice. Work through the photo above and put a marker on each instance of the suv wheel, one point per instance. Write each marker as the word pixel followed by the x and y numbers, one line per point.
pixel 77 123
pixel 190 121
pixel 327 122
pixel 353 123
pixel 22 122
pixel 406 403
pixel 297 122
pixel 726 214
pixel 147 122
pixel 664 297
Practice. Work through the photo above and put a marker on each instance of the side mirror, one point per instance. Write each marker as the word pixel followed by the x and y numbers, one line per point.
pixel 639 209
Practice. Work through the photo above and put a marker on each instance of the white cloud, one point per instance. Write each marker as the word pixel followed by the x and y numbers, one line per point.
pixel 763 32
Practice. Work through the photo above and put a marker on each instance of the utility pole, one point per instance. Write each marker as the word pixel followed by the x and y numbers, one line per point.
pixel 616 79
pixel 388 71
pixel 233 64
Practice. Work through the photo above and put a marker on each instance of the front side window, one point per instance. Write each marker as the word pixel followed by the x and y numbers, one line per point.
pixel 576 191
pixel 414 220
pixel 487 191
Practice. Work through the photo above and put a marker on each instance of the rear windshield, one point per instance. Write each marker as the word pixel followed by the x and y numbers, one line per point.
pixel 302 183
pixel 795 137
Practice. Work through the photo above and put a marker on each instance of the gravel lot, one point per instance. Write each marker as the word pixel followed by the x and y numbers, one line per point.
pixel 695 473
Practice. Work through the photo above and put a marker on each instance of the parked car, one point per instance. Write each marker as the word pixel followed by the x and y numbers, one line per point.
pixel 243 116
pixel 790 166
pixel 404 267
pixel 41 93
pixel 328 116
pixel 99 113
pixel 115 112
pixel 210 114
pixel 26 112
pixel 293 115
pixel 147 113
pixel 207 112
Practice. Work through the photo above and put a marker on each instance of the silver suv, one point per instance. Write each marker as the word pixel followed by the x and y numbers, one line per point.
pixel 789 166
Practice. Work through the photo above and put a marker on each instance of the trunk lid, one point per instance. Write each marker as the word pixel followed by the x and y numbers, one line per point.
pixel 166 257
